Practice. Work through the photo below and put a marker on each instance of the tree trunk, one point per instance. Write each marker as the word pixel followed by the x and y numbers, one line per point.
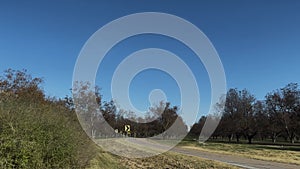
pixel 237 138
pixel 292 139
pixel 250 139
pixel 230 137
pixel 274 137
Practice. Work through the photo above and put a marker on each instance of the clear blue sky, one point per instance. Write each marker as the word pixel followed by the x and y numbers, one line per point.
pixel 257 41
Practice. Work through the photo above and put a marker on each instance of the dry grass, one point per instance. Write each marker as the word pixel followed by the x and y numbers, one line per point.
pixel 105 160
pixel 162 161
pixel 173 160
pixel 262 152
pixel 168 160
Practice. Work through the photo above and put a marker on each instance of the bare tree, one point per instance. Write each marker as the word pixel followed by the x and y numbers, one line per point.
pixel 87 102
pixel 283 108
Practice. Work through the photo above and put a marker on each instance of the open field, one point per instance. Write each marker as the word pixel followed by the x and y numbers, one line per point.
pixel 276 153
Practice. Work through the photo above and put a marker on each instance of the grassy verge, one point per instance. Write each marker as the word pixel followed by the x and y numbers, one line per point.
pixel 105 160
pixel 173 160
pixel 166 160
pixel 277 153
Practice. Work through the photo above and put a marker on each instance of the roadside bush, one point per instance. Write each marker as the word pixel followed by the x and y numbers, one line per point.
pixel 36 132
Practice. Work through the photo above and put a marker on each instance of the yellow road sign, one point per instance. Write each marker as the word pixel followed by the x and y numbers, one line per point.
pixel 127 128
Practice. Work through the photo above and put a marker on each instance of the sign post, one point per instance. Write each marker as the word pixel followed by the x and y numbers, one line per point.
pixel 127 129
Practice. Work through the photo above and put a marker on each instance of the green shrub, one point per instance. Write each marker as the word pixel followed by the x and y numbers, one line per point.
pixel 36 132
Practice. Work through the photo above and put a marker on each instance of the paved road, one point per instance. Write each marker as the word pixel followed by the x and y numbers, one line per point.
pixel 236 160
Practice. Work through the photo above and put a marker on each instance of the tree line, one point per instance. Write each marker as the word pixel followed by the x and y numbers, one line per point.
pixel 243 116
pixel 277 116
pixel 94 113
